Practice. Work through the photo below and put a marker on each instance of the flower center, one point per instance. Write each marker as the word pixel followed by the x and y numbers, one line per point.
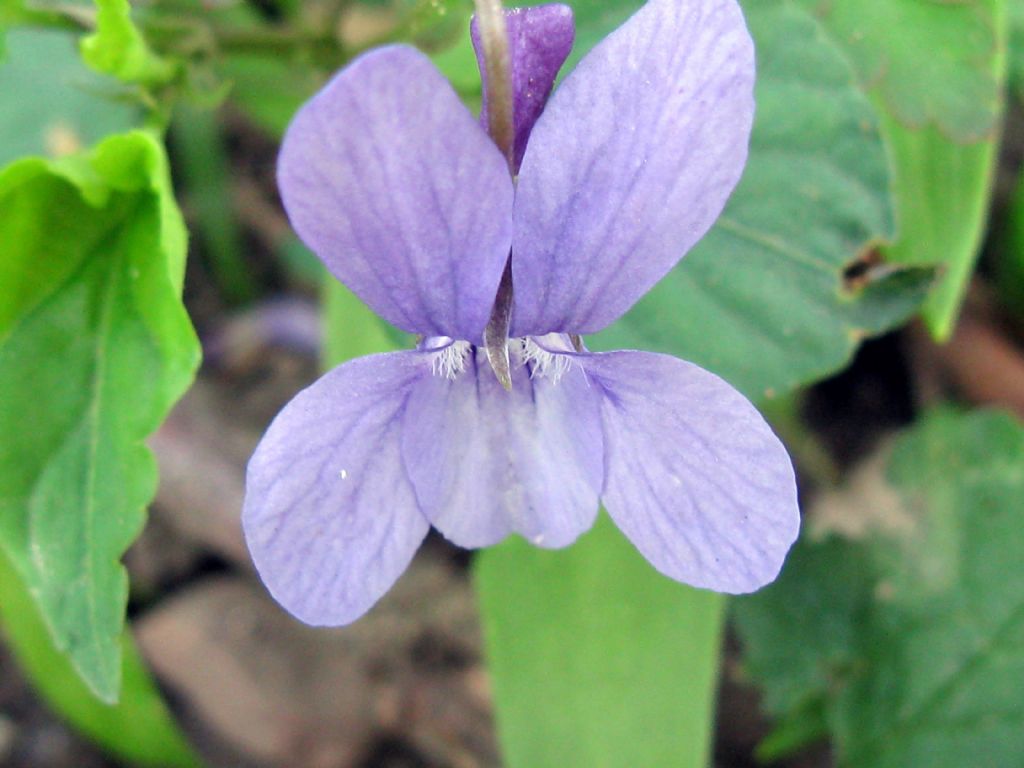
pixel 542 363
pixel 451 356
pixel 450 361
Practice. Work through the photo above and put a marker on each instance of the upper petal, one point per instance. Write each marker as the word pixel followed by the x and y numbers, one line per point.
pixel 486 462
pixel 390 180
pixel 330 517
pixel 539 40
pixel 631 163
pixel 695 478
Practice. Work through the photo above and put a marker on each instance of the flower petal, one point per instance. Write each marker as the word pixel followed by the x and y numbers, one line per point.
pixel 630 163
pixel 695 477
pixel 486 462
pixel 396 187
pixel 540 39
pixel 330 517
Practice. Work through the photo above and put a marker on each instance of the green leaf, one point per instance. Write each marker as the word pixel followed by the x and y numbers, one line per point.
pixel 95 347
pixel 118 48
pixel 940 120
pixel 762 299
pixel 139 729
pixel 351 329
pixel 596 658
pixel 49 102
pixel 822 595
pixel 1016 20
pixel 943 191
pixel 911 637
pixel 458 64
pixel 930 61
pixel 823 613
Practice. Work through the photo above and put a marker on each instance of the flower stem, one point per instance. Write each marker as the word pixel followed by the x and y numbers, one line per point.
pixel 498 64
pixel 496 331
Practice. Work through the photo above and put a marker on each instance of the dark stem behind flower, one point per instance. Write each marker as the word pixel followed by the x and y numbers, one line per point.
pixel 494 36
pixel 496 332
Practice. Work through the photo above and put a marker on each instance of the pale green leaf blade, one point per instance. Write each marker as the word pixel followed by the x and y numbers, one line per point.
pixel 95 347
pixel 762 299
pixel 598 661
pixel 930 61
pixel 943 191
pixel 936 72
pixel 117 48
pixel 138 729
pixel 912 636
pixel 351 329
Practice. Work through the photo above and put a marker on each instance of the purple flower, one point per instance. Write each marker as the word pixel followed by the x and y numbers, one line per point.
pixel 395 186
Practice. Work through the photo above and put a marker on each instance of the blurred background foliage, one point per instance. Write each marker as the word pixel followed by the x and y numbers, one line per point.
pixel 883 196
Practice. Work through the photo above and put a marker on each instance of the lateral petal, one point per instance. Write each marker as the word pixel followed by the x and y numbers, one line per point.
pixel 330 516
pixel 486 462
pixel 695 477
pixel 630 163
pixel 390 180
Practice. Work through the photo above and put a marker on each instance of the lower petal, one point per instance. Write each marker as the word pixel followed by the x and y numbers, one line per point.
pixel 486 462
pixel 695 477
pixel 330 517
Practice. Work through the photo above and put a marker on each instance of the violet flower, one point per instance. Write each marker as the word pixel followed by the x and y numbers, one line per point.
pixel 402 194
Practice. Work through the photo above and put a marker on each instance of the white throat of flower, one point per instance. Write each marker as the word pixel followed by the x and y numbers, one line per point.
pixel 451 360
pixel 543 364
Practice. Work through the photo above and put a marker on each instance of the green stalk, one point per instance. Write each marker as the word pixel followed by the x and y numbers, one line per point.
pixel 596 659
pixel 138 729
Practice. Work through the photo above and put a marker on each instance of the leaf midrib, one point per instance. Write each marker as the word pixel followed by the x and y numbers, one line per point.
pixel 90 419
pixel 93 414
